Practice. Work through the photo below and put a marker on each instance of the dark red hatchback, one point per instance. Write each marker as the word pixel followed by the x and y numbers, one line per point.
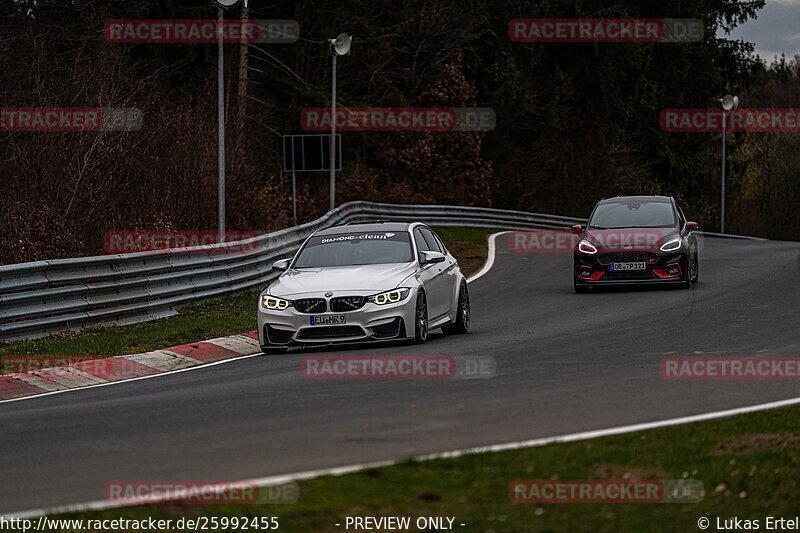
pixel 635 240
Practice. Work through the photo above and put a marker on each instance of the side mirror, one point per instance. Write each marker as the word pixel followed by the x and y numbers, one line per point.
pixel 431 257
pixel 691 225
pixel 281 265
pixel 577 229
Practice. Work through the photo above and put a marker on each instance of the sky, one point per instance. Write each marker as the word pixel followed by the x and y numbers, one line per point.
pixel 776 30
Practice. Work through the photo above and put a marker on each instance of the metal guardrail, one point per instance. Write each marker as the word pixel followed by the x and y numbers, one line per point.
pixel 46 297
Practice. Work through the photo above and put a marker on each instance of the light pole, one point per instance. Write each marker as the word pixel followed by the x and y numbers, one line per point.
pixel 339 47
pixel 221 5
pixel 728 103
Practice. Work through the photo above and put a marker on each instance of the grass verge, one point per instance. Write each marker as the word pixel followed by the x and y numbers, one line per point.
pixel 749 465
pixel 227 316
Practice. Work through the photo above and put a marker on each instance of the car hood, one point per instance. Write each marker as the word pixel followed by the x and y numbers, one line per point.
pixel 336 279
pixel 630 239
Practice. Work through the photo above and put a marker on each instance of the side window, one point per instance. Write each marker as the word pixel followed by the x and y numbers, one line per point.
pixel 422 245
pixel 681 218
pixel 439 241
pixel 433 244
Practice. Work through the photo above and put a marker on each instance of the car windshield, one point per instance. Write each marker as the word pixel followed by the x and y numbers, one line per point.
pixel 616 215
pixel 363 248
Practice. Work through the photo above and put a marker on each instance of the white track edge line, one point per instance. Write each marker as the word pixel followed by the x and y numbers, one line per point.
pixel 349 469
pixel 489 257
pixel 196 367
pixel 341 470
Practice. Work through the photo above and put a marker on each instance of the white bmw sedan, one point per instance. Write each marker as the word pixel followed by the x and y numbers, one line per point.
pixel 364 282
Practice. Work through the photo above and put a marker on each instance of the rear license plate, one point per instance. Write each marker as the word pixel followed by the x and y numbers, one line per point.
pixel 628 266
pixel 328 319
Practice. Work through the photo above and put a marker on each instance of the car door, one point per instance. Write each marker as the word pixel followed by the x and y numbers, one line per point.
pixel 450 269
pixel 434 276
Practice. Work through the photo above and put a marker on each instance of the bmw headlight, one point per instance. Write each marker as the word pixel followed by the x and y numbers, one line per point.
pixel 274 304
pixel 389 297
pixel 586 247
pixel 671 245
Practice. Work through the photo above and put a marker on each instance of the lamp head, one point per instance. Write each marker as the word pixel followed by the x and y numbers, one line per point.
pixel 341 45
pixel 729 102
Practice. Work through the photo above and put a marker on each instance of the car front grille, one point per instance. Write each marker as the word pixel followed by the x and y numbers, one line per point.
pixel 347 303
pixel 629 274
pixel 310 305
pixel 628 257
pixel 278 336
pixel 388 330
pixel 330 332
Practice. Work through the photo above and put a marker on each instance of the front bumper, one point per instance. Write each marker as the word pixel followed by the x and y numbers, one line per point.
pixel 660 268
pixel 372 322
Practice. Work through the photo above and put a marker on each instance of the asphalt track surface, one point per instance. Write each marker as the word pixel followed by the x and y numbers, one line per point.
pixel 565 363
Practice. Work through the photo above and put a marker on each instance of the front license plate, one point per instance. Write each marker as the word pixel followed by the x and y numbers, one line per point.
pixel 628 266
pixel 328 319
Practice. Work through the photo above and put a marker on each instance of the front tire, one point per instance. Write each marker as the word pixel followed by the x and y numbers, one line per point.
pixel 461 325
pixel 421 319
pixel 691 270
